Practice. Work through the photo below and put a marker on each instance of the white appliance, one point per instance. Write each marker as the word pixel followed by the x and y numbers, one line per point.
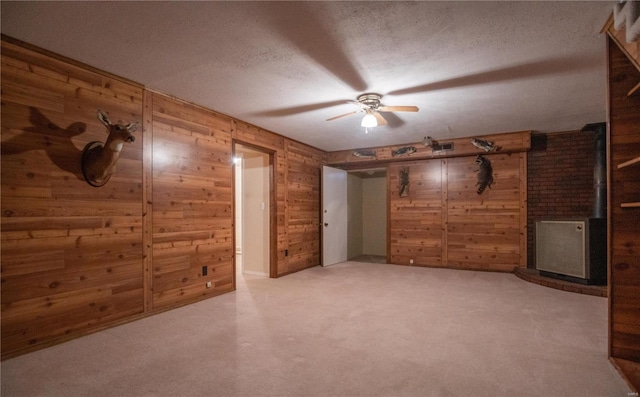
pixel 572 249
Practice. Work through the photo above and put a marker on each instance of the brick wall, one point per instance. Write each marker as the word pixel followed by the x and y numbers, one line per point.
pixel 559 180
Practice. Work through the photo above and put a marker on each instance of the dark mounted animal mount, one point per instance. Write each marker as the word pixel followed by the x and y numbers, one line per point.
pixel 485 174
pixel 99 159
pixel 404 181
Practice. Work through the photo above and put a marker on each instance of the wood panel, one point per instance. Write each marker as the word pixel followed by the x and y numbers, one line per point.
pixel 71 253
pixel 75 258
pixel 485 231
pixel 443 222
pixel 303 205
pixel 192 203
pixel 415 221
pixel 624 238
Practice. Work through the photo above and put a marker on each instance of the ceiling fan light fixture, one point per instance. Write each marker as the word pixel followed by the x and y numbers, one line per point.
pixel 369 121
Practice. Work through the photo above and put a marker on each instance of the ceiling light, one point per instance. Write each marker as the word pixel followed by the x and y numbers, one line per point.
pixel 369 120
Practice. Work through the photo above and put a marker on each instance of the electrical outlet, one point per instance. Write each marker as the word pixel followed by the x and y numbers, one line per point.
pixel 204 270
pixel 411 261
pixel 208 284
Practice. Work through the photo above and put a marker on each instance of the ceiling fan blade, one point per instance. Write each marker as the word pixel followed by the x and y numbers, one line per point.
pixel 344 115
pixel 381 120
pixel 398 108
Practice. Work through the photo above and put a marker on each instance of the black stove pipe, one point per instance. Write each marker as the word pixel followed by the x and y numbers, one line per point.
pixel 600 168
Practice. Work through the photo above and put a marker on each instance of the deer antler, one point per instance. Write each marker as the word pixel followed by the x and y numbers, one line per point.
pixel 99 159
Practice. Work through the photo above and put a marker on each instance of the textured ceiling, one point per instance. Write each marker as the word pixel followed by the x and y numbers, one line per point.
pixel 473 68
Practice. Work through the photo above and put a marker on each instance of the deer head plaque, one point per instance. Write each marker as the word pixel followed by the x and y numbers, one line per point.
pixel 99 159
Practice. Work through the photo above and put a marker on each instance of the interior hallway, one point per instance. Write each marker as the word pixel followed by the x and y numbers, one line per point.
pixel 346 330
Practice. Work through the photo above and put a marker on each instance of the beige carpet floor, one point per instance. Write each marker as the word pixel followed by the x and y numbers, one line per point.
pixel 369 259
pixel 352 329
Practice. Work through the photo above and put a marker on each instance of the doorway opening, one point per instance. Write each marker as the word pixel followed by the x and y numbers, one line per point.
pixel 254 223
pixel 367 215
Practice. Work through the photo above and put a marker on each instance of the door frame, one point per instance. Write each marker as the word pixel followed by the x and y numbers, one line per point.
pixel 273 216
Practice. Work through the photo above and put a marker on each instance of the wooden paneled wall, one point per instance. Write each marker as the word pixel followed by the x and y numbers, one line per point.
pixel 76 258
pixel 71 253
pixel 624 215
pixel 192 202
pixel 416 227
pixel 443 222
pixel 487 231
pixel 303 206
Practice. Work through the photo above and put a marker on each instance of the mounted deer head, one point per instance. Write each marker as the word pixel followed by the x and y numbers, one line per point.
pixel 99 159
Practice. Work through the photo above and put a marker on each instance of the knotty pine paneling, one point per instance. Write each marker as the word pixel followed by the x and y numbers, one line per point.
pixel 443 222
pixel 76 258
pixel 71 253
pixel 624 233
pixel 303 205
pixel 484 231
pixel 415 221
pixel 192 203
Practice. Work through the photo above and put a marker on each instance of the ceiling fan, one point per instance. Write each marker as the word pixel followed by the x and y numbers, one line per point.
pixel 370 105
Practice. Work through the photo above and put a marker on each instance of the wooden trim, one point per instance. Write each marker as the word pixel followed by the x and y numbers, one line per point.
pixel 630 162
pixel 147 199
pixel 388 213
pixel 634 89
pixel 607 24
pixel 444 172
pixel 523 209
pixel 609 198
pixel 630 372
pixel 285 214
pixel 273 216
pixel 233 211
pixel 321 220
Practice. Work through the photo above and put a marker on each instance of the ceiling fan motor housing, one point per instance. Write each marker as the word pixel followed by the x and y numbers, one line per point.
pixel 372 101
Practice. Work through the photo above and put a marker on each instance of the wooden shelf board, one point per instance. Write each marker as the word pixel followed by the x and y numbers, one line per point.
pixel 630 371
pixel 630 162
pixel 633 90
pixel 630 205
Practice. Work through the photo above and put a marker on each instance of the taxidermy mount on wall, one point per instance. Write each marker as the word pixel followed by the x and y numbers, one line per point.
pixel 403 150
pixel 485 174
pixel 364 154
pixel 99 159
pixel 404 181
pixel 484 145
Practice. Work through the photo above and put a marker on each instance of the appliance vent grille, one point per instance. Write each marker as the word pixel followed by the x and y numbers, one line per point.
pixel 561 247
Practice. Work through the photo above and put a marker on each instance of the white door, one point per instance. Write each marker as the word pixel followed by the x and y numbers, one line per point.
pixel 334 216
